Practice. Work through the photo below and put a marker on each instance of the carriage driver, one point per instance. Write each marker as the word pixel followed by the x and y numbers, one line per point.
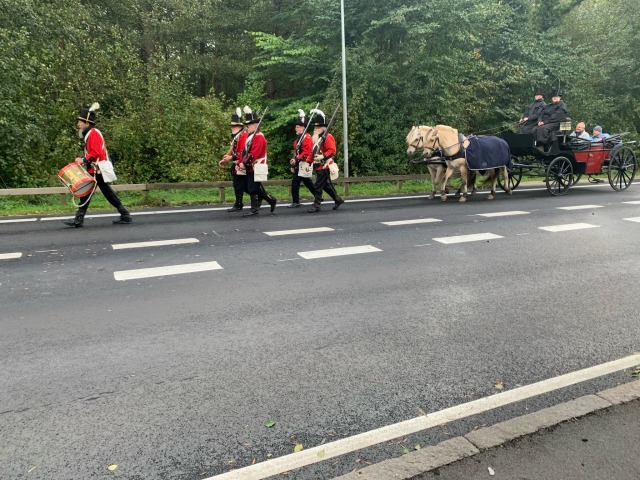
pixel 532 113
pixel 552 114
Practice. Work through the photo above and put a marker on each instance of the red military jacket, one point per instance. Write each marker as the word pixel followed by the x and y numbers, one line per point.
pixel 94 147
pixel 305 149
pixel 328 150
pixel 257 151
pixel 237 146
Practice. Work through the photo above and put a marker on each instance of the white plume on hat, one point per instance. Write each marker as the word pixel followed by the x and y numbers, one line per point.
pixel 247 109
pixel 94 106
pixel 317 112
pixel 238 112
pixel 300 112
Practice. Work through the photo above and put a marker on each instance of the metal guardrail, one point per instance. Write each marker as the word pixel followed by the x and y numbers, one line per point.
pixel 221 185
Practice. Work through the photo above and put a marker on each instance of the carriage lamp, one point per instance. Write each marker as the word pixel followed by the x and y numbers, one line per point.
pixel 565 125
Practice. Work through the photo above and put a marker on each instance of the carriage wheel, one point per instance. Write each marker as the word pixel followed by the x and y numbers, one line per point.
pixel 622 168
pixel 559 176
pixel 515 176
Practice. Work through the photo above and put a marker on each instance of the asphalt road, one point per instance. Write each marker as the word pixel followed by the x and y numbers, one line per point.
pixel 174 376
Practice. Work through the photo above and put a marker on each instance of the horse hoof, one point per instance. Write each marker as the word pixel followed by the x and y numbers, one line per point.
pixel 443 198
pixel 463 199
pixel 432 196
pixel 490 197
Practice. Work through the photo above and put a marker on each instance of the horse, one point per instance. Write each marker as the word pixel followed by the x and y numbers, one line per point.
pixel 415 140
pixel 464 154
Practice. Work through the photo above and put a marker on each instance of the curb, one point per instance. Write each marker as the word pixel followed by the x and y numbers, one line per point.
pixel 449 451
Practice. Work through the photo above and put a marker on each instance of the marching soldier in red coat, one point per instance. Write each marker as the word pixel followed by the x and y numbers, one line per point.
pixel 94 150
pixel 302 163
pixel 255 153
pixel 234 155
pixel 324 157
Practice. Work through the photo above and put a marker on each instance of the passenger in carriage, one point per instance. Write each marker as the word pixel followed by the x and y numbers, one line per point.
pixel 550 119
pixel 580 132
pixel 532 113
pixel 598 136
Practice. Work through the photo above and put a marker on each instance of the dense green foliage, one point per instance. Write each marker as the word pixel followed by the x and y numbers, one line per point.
pixel 168 74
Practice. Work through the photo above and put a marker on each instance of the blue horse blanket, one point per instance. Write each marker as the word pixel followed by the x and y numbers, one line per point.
pixel 486 152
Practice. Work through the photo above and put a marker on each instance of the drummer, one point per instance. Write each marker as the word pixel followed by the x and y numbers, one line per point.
pixel 94 150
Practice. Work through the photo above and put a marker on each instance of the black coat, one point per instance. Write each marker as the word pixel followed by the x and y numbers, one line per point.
pixel 554 112
pixel 533 111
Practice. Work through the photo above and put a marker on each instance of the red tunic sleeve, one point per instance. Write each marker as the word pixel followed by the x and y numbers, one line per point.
pixel 242 140
pixel 329 146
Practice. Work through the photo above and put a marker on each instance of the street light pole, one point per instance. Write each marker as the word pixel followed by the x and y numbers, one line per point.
pixel 344 95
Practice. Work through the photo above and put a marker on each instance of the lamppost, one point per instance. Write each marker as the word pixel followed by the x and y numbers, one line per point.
pixel 344 95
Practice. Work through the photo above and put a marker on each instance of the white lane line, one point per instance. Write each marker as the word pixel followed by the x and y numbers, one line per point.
pixel 19 220
pixel 408 427
pixel 162 271
pixel 476 237
pixel 299 231
pixel 568 227
pixel 633 219
pixel 337 252
pixel 634 202
pixel 580 207
pixel 503 214
pixel 10 256
pixel 411 222
pixel 157 243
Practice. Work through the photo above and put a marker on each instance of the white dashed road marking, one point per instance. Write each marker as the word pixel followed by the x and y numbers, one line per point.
pixel 568 227
pixel 19 220
pixel 581 207
pixel 337 252
pixel 299 231
pixel 162 271
pixel 157 243
pixel 344 446
pixel 10 256
pixel 503 214
pixel 411 222
pixel 476 237
pixel 634 219
pixel 634 202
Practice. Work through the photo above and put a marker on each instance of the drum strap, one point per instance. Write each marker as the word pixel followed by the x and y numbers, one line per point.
pixel 73 199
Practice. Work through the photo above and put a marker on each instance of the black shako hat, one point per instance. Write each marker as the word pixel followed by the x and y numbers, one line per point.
pixel 320 120
pixel 538 91
pixel 236 118
pixel 250 116
pixel 301 119
pixel 89 114
pixel 556 93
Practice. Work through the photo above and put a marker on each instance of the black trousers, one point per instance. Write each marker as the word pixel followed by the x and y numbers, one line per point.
pixel 108 193
pixel 257 193
pixel 324 183
pixel 240 187
pixel 295 186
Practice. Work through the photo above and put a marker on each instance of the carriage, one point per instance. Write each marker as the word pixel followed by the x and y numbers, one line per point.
pixel 569 158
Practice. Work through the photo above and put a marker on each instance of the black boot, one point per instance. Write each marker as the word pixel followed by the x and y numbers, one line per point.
pixel 78 220
pixel 125 216
pixel 272 201
pixel 236 207
pixel 255 206
pixel 339 201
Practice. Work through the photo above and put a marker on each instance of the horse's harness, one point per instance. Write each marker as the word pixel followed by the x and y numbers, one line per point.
pixel 437 148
